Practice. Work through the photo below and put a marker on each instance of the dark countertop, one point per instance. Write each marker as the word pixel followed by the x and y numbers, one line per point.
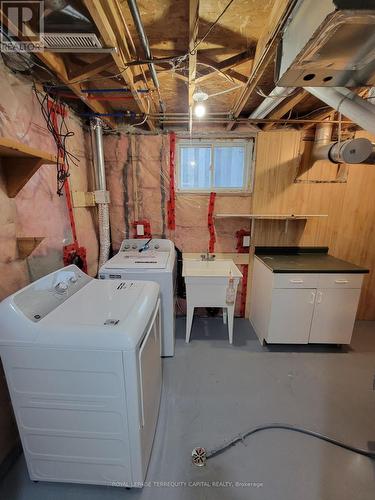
pixel 304 260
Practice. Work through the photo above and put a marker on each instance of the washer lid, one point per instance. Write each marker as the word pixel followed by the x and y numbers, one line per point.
pixel 148 259
pixel 105 313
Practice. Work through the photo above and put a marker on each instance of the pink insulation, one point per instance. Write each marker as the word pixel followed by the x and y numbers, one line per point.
pixel 146 163
pixel 37 210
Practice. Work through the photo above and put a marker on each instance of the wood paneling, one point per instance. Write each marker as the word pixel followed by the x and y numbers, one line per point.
pixel 349 229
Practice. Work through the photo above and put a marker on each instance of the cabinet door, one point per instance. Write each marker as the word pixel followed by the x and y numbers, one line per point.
pixel 334 315
pixel 291 315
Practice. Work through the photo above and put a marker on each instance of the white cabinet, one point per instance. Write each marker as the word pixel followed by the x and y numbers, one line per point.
pixel 291 315
pixel 289 308
pixel 334 315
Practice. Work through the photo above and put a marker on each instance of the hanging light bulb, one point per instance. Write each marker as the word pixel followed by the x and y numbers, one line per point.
pixel 200 110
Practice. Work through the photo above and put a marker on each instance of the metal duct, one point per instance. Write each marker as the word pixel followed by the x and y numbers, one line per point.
pixel 349 104
pixel 350 151
pixel 133 7
pixel 101 193
pixel 328 43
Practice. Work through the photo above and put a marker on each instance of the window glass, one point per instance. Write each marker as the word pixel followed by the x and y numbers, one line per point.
pixel 195 165
pixel 229 166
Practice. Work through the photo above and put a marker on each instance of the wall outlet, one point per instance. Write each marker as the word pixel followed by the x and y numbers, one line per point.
pixel 140 230
pixel 246 241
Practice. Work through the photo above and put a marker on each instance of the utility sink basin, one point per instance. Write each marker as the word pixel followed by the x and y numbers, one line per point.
pixel 206 286
pixel 211 268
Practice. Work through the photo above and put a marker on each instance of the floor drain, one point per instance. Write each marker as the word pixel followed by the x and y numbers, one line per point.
pixel 199 457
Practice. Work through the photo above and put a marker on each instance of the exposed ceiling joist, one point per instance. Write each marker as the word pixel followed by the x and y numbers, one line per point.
pixel 264 53
pixel 193 35
pixel 55 63
pixel 223 67
pixel 285 107
pixel 103 12
pixel 92 69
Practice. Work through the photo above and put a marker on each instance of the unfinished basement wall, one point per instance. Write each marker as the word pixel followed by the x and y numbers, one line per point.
pixel 138 179
pixel 36 210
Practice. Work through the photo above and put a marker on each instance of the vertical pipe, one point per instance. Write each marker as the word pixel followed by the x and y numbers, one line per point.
pixel 133 7
pixel 103 209
pixel 348 103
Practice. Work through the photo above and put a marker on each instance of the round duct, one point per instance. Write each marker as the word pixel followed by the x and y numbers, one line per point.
pixel 351 151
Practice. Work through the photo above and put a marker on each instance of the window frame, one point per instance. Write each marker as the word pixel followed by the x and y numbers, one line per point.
pixel 248 175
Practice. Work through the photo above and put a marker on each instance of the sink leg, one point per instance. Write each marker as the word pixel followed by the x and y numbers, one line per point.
pixel 189 321
pixel 225 315
pixel 230 323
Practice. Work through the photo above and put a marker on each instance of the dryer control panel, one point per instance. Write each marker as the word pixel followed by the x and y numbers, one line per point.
pixel 47 293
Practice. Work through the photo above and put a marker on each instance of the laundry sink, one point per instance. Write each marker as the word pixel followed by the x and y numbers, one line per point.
pixel 210 268
pixel 206 286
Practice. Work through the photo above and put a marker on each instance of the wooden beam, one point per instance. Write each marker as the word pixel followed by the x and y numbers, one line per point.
pixel 91 69
pixel 105 15
pixel 227 65
pixel 285 107
pixel 264 54
pixel 193 35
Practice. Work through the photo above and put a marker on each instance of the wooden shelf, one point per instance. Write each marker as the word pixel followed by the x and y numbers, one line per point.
pixel 284 217
pixel 269 216
pixel 27 245
pixel 20 162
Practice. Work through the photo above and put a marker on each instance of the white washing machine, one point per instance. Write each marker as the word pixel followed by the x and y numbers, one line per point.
pixel 157 262
pixel 83 366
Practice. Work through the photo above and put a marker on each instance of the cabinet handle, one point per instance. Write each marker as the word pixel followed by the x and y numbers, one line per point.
pixel 319 299
pixel 312 298
pixel 295 281
pixel 341 282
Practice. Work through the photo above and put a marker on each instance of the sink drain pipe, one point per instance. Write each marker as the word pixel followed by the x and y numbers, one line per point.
pixel 101 193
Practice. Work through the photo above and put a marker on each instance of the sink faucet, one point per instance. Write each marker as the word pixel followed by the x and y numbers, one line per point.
pixel 207 256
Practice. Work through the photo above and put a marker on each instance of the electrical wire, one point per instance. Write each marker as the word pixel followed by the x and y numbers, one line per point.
pixel 60 135
pixel 194 49
pixel 241 437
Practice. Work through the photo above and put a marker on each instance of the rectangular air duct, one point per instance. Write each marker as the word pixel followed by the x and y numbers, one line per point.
pixel 328 43
pixel 72 42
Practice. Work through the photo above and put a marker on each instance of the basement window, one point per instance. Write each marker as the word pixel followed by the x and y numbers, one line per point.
pixel 215 165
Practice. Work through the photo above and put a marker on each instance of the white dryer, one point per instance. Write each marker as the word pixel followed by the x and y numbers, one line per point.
pixel 82 362
pixel 155 262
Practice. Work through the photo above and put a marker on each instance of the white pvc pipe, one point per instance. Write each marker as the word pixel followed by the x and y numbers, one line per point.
pixel 349 104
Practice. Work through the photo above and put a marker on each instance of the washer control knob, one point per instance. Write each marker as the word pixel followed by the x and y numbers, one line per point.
pixel 134 247
pixel 61 287
pixel 73 279
pixel 127 246
pixel 156 246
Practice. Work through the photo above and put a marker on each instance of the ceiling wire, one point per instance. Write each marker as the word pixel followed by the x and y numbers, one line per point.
pixel 194 49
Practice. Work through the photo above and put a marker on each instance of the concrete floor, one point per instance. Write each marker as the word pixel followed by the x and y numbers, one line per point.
pixel 213 391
